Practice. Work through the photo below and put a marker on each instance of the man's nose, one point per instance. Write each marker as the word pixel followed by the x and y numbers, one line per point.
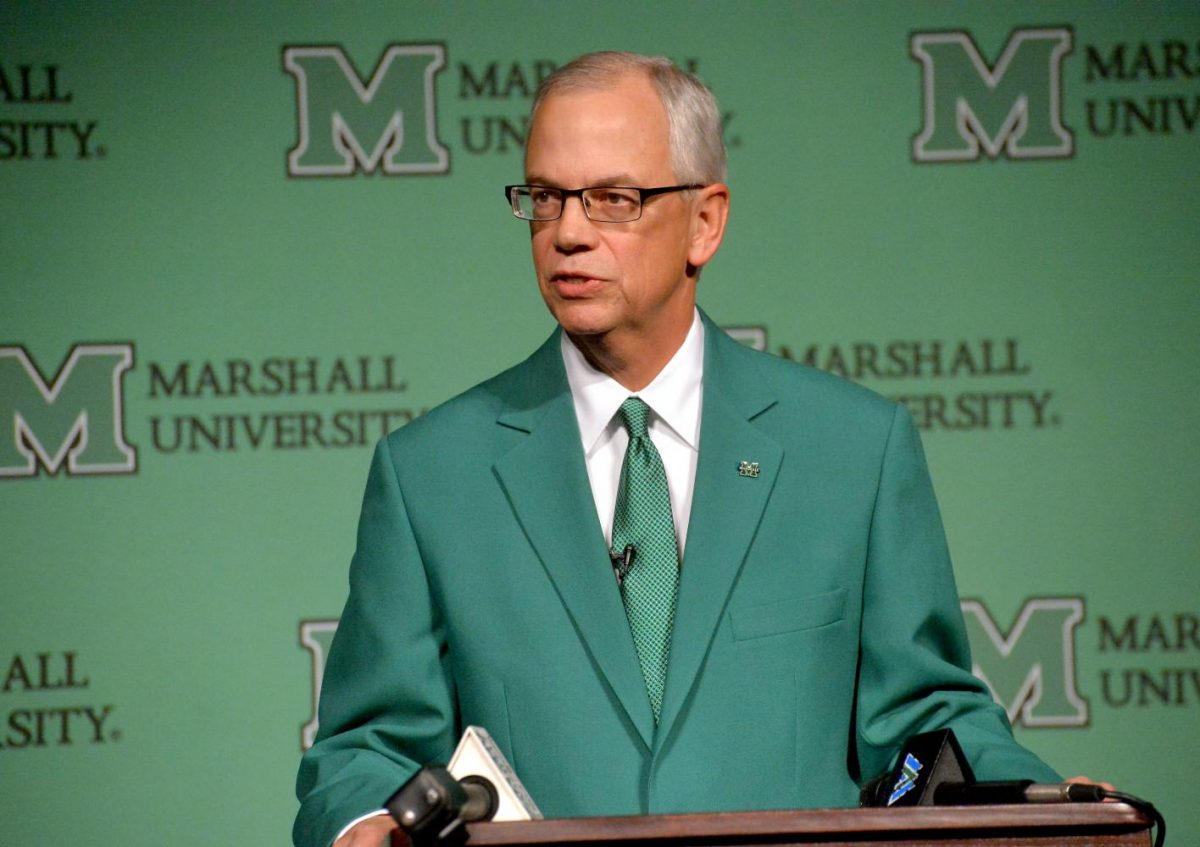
pixel 575 228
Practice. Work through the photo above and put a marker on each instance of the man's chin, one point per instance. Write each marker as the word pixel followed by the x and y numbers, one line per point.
pixel 580 319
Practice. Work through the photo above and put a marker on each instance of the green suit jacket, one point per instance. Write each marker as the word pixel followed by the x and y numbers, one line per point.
pixel 817 627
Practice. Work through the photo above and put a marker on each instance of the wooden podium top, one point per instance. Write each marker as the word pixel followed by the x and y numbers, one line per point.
pixel 1080 824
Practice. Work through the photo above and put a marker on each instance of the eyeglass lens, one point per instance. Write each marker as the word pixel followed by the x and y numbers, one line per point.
pixel 613 205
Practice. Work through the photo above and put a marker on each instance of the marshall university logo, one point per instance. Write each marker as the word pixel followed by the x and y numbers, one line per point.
pixel 76 419
pixel 316 637
pixel 972 108
pixel 1031 668
pixel 387 122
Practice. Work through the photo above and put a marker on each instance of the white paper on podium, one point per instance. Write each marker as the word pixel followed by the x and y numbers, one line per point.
pixel 478 755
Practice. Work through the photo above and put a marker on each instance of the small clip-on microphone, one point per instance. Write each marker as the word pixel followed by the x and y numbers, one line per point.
pixel 622 562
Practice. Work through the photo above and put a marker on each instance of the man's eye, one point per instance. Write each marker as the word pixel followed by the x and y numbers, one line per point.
pixel 541 195
pixel 617 199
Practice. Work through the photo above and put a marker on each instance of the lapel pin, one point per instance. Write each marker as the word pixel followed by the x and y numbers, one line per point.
pixel 747 468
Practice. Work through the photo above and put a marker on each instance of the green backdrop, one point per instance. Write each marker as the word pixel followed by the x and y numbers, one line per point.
pixel 240 241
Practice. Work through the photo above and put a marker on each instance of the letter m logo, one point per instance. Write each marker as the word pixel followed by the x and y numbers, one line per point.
pixel 387 123
pixel 1014 107
pixel 317 638
pixel 78 417
pixel 1031 669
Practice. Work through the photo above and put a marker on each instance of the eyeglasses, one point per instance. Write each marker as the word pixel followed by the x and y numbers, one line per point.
pixel 611 204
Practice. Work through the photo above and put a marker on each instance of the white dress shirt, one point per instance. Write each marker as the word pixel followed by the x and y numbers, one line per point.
pixel 674 425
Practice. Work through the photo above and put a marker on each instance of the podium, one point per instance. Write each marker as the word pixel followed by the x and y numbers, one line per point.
pixel 1049 825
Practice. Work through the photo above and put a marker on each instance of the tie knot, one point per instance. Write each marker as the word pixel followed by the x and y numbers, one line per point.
pixel 634 412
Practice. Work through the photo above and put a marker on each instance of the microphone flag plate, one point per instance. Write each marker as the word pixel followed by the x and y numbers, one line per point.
pixel 925 762
pixel 478 755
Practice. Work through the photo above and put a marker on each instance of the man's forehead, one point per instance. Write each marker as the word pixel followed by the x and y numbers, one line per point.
pixel 626 92
pixel 600 181
pixel 600 84
pixel 614 131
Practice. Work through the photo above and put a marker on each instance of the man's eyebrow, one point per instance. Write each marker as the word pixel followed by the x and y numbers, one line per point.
pixel 623 179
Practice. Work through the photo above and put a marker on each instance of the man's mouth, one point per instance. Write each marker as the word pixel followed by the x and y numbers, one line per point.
pixel 570 284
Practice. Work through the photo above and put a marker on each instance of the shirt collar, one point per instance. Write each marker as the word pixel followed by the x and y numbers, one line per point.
pixel 673 395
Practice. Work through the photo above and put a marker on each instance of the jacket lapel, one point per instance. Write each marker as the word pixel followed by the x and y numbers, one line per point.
pixel 726 507
pixel 545 479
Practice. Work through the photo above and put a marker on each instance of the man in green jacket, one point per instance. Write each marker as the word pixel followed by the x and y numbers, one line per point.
pixel 730 592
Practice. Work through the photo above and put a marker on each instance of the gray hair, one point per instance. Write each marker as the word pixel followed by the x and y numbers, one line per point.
pixel 693 120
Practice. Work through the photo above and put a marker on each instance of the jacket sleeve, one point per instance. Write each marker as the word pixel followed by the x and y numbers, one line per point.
pixel 915 663
pixel 387 698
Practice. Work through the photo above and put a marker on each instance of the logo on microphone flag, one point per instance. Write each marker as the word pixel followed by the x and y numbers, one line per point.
pixel 908 778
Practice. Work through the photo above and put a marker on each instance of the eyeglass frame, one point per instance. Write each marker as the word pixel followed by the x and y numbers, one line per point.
pixel 567 193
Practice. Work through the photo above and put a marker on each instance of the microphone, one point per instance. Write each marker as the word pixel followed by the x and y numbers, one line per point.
pixel 432 806
pixel 1015 791
pixel 933 771
pixel 622 562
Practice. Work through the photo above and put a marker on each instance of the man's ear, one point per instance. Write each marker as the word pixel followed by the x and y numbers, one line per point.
pixel 710 212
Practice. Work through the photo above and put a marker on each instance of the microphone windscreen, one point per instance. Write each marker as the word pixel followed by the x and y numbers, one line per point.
pixel 983 793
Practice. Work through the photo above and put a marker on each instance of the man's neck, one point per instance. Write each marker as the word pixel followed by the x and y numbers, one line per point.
pixel 634 361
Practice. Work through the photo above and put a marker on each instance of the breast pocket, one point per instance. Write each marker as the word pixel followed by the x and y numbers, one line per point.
pixel 792 615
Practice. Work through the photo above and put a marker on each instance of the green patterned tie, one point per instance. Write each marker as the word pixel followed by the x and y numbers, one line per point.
pixel 643 519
